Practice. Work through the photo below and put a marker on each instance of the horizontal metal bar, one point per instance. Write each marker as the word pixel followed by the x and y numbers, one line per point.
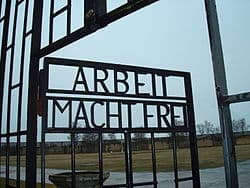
pixel 242 97
pixel 19 2
pixel 80 94
pixel 143 183
pixel 132 100
pixel 61 94
pixel 78 34
pixel 124 10
pixel 2 19
pixel 116 130
pixel 185 179
pixel 134 184
pixel 60 11
pixel 16 85
pixel 28 33
pixel 9 47
pixel 21 133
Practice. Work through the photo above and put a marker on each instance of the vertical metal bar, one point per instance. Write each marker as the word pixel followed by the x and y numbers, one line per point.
pixel 164 88
pixel 7 160
pixel 18 162
pixel 175 160
pixel 120 115
pixel 1 2
pixel 21 90
pixel 73 160
pixel 145 118
pixel 221 88
pixel 129 116
pixel 100 160
pixel 128 157
pixel 192 133
pixel 89 8
pixel 43 85
pixel 69 17
pixel 9 99
pixel 53 114
pixel 43 157
pixel 101 7
pixel 154 159
pixel 32 95
pixel 3 62
pixel 51 19
pixel 45 82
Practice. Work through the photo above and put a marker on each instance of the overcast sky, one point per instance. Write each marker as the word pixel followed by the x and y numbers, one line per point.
pixel 172 34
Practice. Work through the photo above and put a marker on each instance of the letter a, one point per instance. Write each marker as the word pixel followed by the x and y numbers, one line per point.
pixel 81 80
pixel 81 109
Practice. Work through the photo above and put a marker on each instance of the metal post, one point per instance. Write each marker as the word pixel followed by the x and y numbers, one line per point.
pixel 221 90
pixel 32 95
pixel 154 160
pixel 128 157
pixel 192 133
pixel 73 159
pixel 100 138
pixel 43 82
pixel 175 160
pixel 2 70
pixel 3 55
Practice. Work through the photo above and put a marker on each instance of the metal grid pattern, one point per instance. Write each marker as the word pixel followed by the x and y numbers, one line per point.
pixel 16 39
pixel 95 17
pixel 52 96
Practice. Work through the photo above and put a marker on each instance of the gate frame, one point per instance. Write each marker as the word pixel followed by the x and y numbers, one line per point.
pixel 185 101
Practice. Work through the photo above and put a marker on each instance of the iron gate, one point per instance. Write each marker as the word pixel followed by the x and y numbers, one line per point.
pixel 93 94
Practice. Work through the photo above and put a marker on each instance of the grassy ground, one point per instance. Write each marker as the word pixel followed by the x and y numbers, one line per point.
pixel 209 157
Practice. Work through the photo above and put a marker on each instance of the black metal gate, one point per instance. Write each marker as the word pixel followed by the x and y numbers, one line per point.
pixel 123 93
pixel 23 45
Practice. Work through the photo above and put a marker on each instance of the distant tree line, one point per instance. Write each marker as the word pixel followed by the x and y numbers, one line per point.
pixel 240 125
pixel 207 127
pixel 93 137
pixel 204 128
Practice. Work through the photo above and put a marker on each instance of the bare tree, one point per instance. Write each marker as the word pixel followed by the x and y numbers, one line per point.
pixel 240 125
pixel 89 137
pixel 207 128
pixel 138 136
pixel 200 128
pixel 77 137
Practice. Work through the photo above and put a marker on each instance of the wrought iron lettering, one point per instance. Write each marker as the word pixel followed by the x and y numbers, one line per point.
pixel 107 96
